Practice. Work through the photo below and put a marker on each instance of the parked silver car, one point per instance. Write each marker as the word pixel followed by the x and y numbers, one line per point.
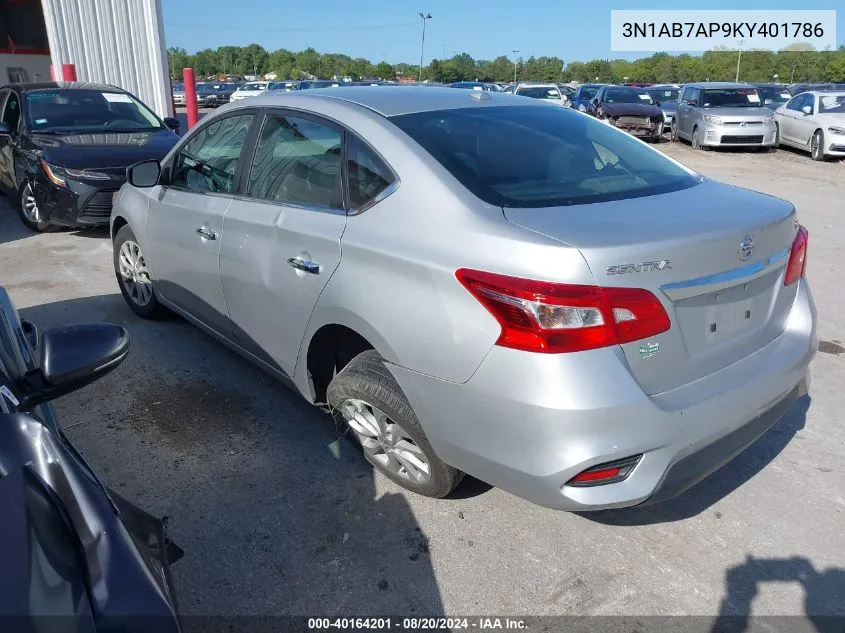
pixel 814 122
pixel 719 114
pixel 482 284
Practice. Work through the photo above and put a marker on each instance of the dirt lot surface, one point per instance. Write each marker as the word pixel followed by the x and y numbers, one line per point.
pixel 274 520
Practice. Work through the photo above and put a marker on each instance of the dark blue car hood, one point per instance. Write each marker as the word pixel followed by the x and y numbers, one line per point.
pixel 92 151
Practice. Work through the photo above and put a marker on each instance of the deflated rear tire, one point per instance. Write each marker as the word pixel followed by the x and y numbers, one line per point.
pixel 133 277
pixel 366 400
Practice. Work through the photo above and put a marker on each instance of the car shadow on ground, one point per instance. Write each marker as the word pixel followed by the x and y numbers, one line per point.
pixel 11 227
pixel 824 595
pixel 718 485
pixel 276 509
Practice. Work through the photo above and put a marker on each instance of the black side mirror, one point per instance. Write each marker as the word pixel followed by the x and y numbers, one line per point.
pixel 144 174
pixel 4 129
pixel 172 123
pixel 657 103
pixel 73 357
pixel 595 102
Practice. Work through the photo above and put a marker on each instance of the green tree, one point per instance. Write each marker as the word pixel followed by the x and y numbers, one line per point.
pixel 383 70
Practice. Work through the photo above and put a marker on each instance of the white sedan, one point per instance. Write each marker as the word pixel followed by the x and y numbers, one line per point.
pixel 815 122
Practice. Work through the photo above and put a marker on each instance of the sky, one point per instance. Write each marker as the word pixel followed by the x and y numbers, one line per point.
pixel 381 30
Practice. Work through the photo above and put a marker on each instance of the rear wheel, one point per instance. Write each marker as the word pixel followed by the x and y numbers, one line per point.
pixel 366 399
pixel 817 146
pixel 29 210
pixel 673 131
pixel 133 277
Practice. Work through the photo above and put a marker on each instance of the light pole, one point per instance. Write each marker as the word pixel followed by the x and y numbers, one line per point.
pixel 738 59
pixel 425 17
pixel 792 77
pixel 514 51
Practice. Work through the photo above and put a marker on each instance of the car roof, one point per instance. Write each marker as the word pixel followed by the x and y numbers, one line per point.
pixel 824 93
pixel 62 85
pixel 718 84
pixel 535 84
pixel 395 100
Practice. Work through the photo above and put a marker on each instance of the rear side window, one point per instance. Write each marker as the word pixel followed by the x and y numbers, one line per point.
pixel 207 163
pixel 367 174
pixel 530 156
pixel 297 161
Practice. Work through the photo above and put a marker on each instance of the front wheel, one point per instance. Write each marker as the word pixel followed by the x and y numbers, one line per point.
pixel 366 399
pixel 817 146
pixel 30 211
pixel 696 139
pixel 133 277
pixel 673 132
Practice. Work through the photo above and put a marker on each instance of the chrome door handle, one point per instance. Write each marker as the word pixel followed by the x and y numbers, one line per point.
pixel 304 265
pixel 207 233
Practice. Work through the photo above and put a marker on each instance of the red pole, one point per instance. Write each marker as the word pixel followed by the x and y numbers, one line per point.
pixel 69 72
pixel 190 96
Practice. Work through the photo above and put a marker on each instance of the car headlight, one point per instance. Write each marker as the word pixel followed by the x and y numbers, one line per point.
pixel 59 175
pixel 836 130
pixel 769 119
pixel 712 118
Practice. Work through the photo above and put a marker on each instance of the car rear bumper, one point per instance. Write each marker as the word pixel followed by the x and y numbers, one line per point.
pixel 528 423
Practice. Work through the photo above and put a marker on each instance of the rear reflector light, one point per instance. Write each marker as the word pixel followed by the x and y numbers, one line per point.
pixel 797 257
pixel 541 316
pixel 607 473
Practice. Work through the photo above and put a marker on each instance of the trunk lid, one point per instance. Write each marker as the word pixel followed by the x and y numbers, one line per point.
pixel 685 247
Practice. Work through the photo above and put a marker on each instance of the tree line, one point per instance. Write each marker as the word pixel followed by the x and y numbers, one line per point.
pixel 793 64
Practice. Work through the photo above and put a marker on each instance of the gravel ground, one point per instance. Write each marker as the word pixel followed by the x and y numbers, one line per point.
pixel 277 516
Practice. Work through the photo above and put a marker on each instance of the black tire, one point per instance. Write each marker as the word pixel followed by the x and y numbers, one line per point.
pixel 696 140
pixel 673 132
pixel 25 190
pixel 367 379
pixel 777 136
pixel 152 309
pixel 817 146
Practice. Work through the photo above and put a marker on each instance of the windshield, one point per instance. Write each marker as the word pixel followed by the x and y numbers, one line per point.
pixel 664 94
pixel 627 96
pixel 832 104
pixel 84 111
pixel 773 94
pixel 254 87
pixel 527 156
pixel 731 98
pixel 588 92
pixel 539 92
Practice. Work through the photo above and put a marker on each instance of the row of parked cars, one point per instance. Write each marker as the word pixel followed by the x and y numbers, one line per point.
pixel 722 114
pixel 529 246
pixel 212 95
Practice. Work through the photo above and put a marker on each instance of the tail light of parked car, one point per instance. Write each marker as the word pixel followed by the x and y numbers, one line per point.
pixel 546 317
pixel 797 257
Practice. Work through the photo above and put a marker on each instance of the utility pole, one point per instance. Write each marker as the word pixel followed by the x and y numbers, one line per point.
pixel 425 17
pixel 792 78
pixel 739 59
pixel 514 51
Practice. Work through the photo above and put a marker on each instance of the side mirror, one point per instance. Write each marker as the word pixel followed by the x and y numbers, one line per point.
pixel 657 103
pixel 595 102
pixel 4 129
pixel 172 123
pixel 73 357
pixel 144 174
pixel 807 109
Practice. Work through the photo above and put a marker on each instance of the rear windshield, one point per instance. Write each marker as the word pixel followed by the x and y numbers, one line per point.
pixel 539 92
pixel 731 98
pixel 773 94
pixel 664 94
pixel 529 156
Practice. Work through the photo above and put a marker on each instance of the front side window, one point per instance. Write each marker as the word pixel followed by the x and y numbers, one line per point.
pixel 528 156
pixel 297 161
pixel 208 161
pixel 367 174
pixel 12 112
pixel 588 92
pixel 83 111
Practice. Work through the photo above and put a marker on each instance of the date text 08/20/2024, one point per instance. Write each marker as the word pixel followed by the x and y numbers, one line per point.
pixel 416 624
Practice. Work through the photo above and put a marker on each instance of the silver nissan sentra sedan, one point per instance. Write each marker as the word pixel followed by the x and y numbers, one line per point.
pixel 479 284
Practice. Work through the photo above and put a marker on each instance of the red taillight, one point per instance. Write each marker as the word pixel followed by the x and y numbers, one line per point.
pixel 541 316
pixel 797 257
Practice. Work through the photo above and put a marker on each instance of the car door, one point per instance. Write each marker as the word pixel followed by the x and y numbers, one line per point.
pixel 282 240
pixel 683 110
pixel 185 218
pixel 10 115
pixel 805 124
pixel 787 121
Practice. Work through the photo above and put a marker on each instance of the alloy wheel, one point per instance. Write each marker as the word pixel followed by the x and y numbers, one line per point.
pixel 133 273
pixel 816 145
pixel 385 442
pixel 29 205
